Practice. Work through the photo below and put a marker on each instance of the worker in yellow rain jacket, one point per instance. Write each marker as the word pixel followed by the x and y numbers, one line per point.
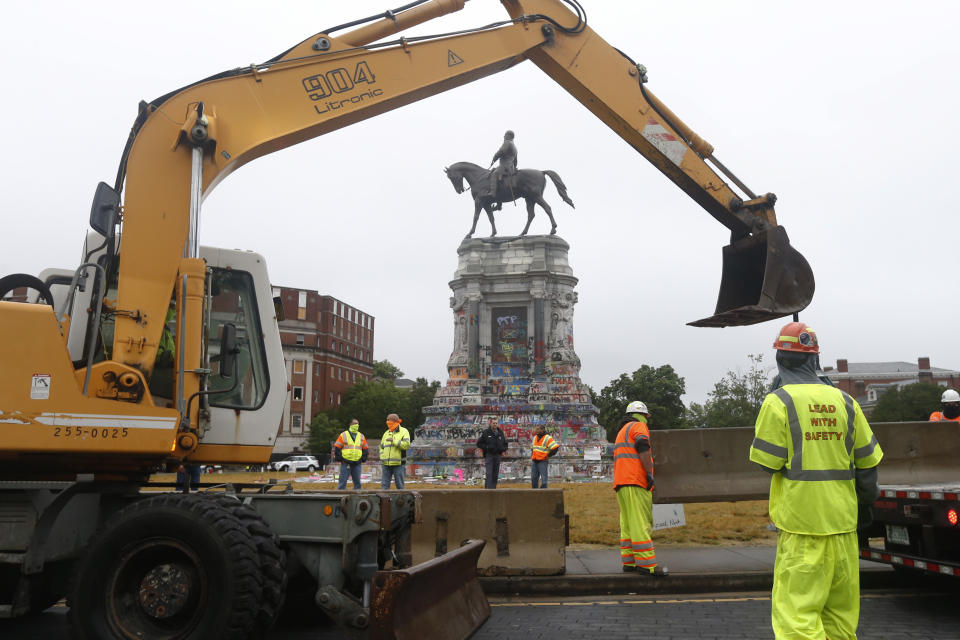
pixel 633 482
pixel 823 457
pixel 393 452
pixel 351 450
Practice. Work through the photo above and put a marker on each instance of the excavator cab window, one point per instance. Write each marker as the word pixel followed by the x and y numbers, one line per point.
pixel 102 335
pixel 233 300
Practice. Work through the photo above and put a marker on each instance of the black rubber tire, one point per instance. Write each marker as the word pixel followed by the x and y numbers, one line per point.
pixel 193 543
pixel 273 562
pixel 311 468
pixel 283 467
pixel 16 280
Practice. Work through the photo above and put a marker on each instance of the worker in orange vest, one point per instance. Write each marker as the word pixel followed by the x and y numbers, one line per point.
pixel 544 447
pixel 633 482
pixel 949 407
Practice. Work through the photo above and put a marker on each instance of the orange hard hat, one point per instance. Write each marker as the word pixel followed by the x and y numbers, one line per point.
pixel 797 336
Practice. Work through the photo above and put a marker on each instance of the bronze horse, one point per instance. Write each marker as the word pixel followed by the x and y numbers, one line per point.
pixel 527 184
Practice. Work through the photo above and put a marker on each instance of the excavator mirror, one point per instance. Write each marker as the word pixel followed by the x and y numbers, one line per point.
pixel 105 210
pixel 228 349
pixel 763 278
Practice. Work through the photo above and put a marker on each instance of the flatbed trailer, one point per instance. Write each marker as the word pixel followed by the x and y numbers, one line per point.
pixel 919 526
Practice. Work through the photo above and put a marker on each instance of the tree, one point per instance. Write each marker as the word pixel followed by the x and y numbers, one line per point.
pixel 420 395
pixel 386 370
pixel 369 401
pixel 659 388
pixel 914 402
pixel 323 431
pixel 735 400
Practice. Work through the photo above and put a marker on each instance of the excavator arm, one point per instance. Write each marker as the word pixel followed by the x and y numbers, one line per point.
pixel 331 81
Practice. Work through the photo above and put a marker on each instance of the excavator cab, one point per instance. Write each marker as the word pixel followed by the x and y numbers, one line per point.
pixel 763 278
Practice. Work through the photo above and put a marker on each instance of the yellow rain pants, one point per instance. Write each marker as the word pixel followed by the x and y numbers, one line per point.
pixel 636 523
pixel 816 587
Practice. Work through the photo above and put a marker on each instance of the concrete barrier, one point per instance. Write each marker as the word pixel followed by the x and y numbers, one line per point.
pixel 711 465
pixel 524 529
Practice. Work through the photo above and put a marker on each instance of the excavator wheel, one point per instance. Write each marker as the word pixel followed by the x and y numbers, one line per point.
pixel 17 280
pixel 273 561
pixel 170 567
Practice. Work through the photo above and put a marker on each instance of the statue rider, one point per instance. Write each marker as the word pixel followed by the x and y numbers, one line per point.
pixel 507 155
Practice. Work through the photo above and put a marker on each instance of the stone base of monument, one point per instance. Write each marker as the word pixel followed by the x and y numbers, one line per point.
pixel 513 359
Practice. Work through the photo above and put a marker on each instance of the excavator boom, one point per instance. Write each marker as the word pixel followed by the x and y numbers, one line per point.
pixel 328 82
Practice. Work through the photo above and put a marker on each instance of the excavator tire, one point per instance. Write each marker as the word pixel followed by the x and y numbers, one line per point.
pixel 169 567
pixel 273 562
pixel 17 280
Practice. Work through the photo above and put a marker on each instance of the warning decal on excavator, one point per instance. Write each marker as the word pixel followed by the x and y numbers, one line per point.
pixel 40 386
pixel 453 59
pixel 665 142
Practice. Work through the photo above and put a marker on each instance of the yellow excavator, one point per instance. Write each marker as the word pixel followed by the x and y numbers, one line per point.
pixel 156 351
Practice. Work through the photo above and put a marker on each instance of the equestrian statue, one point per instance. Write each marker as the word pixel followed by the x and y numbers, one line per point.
pixel 505 183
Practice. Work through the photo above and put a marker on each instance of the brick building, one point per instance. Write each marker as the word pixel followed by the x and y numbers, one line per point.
pixel 327 346
pixel 867 381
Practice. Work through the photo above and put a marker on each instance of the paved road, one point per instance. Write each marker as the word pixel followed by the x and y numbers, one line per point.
pixel 887 615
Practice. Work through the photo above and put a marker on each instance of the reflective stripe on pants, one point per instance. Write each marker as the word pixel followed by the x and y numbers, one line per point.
pixel 816 587
pixel 636 523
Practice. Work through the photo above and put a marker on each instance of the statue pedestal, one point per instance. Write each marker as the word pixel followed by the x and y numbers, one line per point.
pixel 513 358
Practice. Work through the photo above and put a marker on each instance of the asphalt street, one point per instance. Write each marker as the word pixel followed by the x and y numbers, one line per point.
pixel 917 614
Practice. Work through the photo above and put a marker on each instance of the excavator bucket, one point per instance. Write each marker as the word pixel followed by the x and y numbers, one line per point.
pixel 763 278
pixel 439 599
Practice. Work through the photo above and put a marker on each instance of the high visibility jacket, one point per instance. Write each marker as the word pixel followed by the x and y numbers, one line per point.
pixel 542 446
pixel 351 447
pixel 937 416
pixel 814 436
pixel 628 469
pixel 392 446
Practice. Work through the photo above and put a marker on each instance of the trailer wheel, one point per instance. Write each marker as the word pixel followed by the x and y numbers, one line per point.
pixel 273 562
pixel 170 567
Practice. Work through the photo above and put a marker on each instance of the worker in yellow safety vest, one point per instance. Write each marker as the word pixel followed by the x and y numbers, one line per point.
pixel 543 448
pixel 949 407
pixel 823 457
pixel 393 452
pixel 351 450
pixel 633 482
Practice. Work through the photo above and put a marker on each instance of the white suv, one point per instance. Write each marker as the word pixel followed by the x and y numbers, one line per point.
pixel 296 463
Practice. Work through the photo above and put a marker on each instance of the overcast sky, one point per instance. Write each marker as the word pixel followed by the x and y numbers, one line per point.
pixel 848 111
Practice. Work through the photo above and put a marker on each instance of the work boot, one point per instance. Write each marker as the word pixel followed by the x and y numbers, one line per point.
pixel 629 568
pixel 658 571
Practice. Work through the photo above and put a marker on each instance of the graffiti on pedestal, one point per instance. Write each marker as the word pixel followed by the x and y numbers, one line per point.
pixel 508 335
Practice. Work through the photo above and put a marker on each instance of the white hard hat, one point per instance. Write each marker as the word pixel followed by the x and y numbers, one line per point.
pixel 639 407
pixel 950 396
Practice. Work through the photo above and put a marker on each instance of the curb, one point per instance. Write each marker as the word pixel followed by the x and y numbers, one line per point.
pixel 585 585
